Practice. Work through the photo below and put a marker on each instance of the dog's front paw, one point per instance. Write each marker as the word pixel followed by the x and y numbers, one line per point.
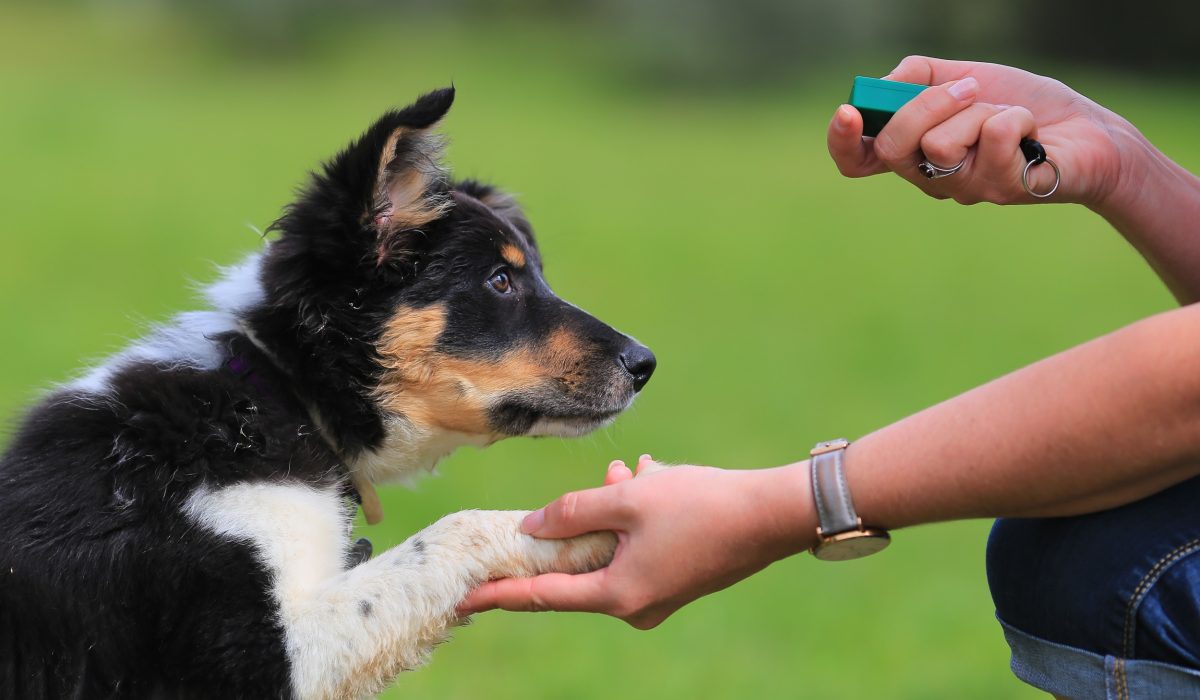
pixel 494 543
pixel 531 556
pixel 576 555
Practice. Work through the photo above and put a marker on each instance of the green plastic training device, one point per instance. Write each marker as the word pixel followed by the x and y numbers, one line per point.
pixel 877 100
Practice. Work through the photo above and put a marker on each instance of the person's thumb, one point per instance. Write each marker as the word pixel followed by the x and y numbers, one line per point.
pixel 576 513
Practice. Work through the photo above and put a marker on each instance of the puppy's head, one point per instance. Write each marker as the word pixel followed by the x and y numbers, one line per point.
pixel 415 310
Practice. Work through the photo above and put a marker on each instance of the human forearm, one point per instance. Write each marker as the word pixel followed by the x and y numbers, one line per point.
pixel 1102 424
pixel 1099 425
pixel 1155 204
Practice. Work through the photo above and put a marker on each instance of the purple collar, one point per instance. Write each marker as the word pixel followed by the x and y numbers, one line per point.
pixel 242 367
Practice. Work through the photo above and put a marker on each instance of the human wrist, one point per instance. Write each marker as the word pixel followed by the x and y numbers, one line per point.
pixel 1154 204
pixel 788 522
pixel 1136 163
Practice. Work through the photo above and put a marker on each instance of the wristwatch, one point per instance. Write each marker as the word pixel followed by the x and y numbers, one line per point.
pixel 840 534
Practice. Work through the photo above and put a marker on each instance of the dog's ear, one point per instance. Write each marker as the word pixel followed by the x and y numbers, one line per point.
pixel 388 181
pixel 361 206
pixel 410 184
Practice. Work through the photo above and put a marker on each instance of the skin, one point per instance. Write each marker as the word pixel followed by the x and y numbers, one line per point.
pixel 1114 420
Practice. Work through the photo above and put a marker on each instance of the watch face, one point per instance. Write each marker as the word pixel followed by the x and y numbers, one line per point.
pixel 851 545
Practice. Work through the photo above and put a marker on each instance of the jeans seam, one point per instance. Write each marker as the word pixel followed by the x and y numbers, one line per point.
pixel 1143 588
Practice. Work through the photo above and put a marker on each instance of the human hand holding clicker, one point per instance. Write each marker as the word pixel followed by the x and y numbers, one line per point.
pixel 970 124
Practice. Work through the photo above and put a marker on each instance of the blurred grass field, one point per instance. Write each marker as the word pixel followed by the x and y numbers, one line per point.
pixel 785 303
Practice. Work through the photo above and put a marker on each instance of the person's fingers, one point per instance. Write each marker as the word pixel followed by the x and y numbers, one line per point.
pixel 561 592
pixel 647 465
pixel 479 600
pixel 853 156
pixel 999 160
pixel 947 143
pixel 899 143
pixel 577 513
pixel 923 70
pixel 617 472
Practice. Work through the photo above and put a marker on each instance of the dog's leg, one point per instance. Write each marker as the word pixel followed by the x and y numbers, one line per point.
pixel 350 632
pixel 386 615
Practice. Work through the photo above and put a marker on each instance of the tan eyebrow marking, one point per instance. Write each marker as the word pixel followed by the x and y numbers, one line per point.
pixel 512 255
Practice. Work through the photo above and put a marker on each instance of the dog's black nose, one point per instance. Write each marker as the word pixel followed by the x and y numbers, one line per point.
pixel 640 363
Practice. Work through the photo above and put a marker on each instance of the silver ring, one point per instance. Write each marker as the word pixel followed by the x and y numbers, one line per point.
pixel 1025 179
pixel 934 172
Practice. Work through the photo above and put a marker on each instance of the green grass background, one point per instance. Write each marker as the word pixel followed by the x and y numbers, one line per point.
pixel 786 304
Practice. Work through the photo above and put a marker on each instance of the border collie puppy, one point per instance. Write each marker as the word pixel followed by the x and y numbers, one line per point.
pixel 176 523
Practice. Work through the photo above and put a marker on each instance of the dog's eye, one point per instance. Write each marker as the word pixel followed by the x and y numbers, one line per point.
pixel 500 283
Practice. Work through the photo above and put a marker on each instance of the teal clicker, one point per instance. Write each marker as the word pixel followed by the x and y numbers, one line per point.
pixel 877 100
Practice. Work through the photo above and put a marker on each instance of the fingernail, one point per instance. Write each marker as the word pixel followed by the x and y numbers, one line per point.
pixel 964 89
pixel 842 118
pixel 615 464
pixel 533 522
pixel 1003 106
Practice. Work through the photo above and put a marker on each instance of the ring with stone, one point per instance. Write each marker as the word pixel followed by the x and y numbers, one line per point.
pixel 933 171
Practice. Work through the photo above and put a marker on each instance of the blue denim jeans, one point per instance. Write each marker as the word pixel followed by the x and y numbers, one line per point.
pixel 1105 605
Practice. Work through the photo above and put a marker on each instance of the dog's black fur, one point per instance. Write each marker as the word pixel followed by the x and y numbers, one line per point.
pixel 106 589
